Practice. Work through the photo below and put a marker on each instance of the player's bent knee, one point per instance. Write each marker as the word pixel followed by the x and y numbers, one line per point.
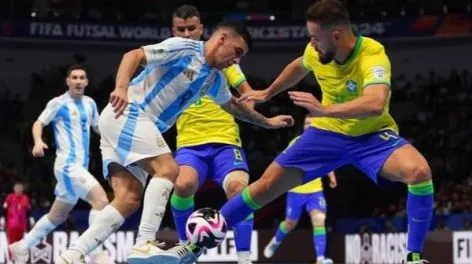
pixel 185 187
pixel 57 218
pixel 318 218
pixel 235 182
pixel 419 173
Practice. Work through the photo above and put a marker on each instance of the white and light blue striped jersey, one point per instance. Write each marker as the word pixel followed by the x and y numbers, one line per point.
pixel 176 76
pixel 71 121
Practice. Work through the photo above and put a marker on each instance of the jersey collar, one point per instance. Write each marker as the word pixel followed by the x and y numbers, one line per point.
pixel 354 52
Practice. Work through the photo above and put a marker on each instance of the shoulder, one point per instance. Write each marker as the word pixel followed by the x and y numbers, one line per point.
pixel 372 48
pixel 177 43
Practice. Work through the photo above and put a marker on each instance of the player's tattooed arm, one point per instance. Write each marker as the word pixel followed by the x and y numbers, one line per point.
pixel 245 113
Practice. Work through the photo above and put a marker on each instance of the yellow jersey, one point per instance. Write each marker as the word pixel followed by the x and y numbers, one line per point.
pixel 310 187
pixel 206 122
pixel 367 64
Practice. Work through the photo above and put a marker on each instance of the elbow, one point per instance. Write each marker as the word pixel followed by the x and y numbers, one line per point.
pixel 136 54
pixel 376 110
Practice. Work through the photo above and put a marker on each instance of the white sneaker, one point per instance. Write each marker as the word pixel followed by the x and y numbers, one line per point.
pixel 151 252
pixel 66 260
pixel 270 249
pixel 327 261
pixel 101 257
pixel 244 257
pixel 18 255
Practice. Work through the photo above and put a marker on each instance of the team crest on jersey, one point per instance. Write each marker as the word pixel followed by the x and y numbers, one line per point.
pixel 189 74
pixel 351 86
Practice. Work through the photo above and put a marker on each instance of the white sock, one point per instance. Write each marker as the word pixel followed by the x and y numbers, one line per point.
pixel 105 223
pixel 244 255
pixel 41 229
pixel 93 213
pixel 154 206
pixel 183 242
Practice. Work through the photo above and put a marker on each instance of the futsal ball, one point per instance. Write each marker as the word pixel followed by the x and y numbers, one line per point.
pixel 206 228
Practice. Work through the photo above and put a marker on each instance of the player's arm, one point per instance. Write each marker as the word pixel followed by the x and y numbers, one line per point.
pixel 332 180
pixel 291 75
pixel 237 80
pixel 47 115
pixel 245 113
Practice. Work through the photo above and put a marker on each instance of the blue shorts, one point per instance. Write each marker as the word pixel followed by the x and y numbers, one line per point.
pixel 212 160
pixel 318 152
pixel 310 201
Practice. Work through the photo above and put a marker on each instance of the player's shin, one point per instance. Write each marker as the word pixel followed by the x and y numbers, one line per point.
pixel 238 208
pixel 319 241
pixel 105 223
pixel 243 234
pixel 420 210
pixel 182 208
pixel 281 232
pixel 43 227
pixel 154 206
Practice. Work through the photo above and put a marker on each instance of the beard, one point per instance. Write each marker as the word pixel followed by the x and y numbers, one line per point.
pixel 327 57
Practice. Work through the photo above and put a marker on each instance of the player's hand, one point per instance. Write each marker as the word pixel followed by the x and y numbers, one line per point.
pixel 119 101
pixel 280 121
pixel 38 149
pixel 309 102
pixel 333 183
pixel 256 96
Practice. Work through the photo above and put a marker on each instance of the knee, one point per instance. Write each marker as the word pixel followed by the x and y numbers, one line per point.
pixel 100 202
pixel 129 200
pixel 185 187
pixel 233 188
pixel 418 173
pixel 318 218
pixel 57 218
pixel 290 224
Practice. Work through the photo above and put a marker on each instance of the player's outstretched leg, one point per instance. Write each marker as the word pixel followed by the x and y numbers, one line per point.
pixel 407 165
pixel 284 228
pixel 58 213
pixel 319 235
pixel 293 209
pixel 128 192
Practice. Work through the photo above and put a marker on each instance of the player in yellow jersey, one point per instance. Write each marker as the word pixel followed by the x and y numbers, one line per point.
pixel 208 145
pixel 352 125
pixel 310 197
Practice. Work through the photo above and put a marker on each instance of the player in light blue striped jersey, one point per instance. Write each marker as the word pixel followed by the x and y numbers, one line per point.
pixel 72 115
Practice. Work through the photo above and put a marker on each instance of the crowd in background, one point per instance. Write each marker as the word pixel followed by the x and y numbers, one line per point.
pixel 159 11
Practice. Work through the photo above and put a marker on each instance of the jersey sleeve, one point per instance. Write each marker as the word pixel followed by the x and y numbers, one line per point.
pixel 171 49
pixel 234 76
pixel 49 113
pixel 309 57
pixel 220 91
pixel 95 115
pixel 376 69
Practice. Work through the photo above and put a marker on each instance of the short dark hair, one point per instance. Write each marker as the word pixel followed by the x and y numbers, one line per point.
pixel 186 11
pixel 328 13
pixel 239 28
pixel 74 67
